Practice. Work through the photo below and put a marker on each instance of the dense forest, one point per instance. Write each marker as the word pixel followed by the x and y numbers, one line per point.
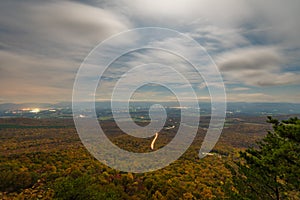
pixel 44 159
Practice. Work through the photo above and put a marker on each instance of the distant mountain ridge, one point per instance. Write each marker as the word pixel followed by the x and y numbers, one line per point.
pixel 232 107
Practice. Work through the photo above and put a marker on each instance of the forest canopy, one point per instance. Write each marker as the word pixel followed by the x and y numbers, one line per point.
pixel 271 171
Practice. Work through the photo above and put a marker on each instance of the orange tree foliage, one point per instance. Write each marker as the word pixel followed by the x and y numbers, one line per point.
pixel 46 160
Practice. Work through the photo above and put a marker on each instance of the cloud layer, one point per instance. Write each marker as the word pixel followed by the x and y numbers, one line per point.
pixel 43 43
pixel 255 44
pixel 256 66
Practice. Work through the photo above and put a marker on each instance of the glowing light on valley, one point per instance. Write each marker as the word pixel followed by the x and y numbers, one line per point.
pixel 35 110
pixel 153 141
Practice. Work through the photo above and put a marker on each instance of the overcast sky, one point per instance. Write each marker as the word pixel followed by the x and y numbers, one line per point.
pixel 255 45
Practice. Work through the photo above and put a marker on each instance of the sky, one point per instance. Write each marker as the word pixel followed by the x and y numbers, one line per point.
pixel 254 44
